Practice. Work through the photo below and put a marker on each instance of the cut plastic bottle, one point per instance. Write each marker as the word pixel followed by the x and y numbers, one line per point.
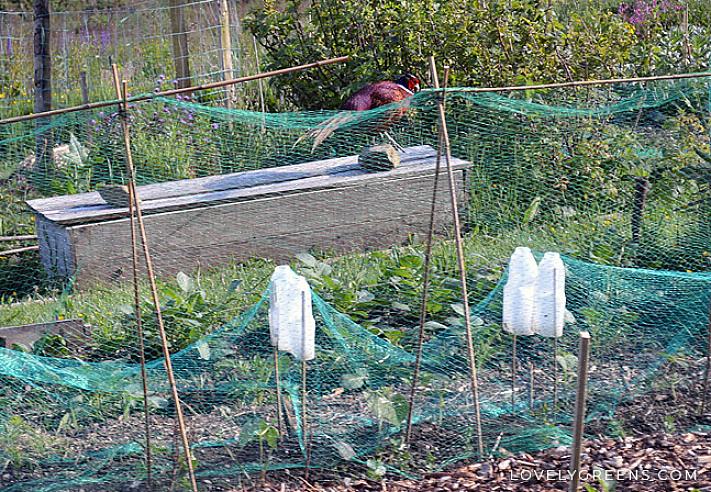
pixel 519 292
pixel 549 306
pixel 291 323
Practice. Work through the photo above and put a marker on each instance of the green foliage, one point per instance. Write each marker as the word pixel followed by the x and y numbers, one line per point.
pixel 22 444
pixel 487 43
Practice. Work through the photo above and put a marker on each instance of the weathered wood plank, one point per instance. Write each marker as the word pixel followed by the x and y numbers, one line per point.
pixel 375 215
pixel 351 178
pixel 331 205
pixel 55 247
pixel 73 208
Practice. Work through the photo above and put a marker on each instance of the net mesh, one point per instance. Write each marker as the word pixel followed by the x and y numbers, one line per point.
pixel 616 178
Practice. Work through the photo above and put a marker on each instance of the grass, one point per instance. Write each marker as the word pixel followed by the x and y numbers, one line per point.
pixel 379 289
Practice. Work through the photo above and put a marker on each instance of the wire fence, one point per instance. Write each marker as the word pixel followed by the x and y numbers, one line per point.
pixel 139 38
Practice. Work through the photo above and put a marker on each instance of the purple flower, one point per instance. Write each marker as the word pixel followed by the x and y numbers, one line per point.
pixel 638 12
pixel 215 126
pixel 105 39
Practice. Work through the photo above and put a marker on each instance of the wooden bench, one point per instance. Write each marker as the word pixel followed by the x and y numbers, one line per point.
pixel 331 205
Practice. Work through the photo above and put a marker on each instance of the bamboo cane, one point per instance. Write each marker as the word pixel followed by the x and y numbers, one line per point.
pixel 707 372
pixel 555 342
pixel 278 390
pixel 10 239
pixel 139 328
pixel 19 250
pixel 530 386
pixel 585 83
pixel 580 396
pixel 277 383
pixel 137 304
pixel 213 85
pixel 513 373
pixel 173 92
pixel 152 281
pixel 460 258
pixel 425 281
pixel 304 420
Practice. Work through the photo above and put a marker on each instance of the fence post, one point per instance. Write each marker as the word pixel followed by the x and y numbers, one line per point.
pixel 84 88
pixel 226 48
pixel 179 37
pixel 42 90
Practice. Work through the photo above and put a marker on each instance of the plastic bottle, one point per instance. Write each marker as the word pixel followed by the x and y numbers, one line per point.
pixel 289 302
pixel 549 303
pixel 519 292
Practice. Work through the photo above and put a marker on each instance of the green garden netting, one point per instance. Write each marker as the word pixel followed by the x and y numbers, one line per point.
pixel 357 389
pixel 616 178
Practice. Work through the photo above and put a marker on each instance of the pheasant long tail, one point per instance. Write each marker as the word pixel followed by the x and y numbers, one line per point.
pixel 325 130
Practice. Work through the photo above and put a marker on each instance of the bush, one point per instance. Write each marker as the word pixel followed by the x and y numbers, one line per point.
pixel 487 44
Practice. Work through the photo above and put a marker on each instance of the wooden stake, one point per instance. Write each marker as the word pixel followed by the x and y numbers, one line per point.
pixel 9 239
pixel 425 281
pixel 173 92
pixel 555 342
pixel 304 421
pixel 179 37
pixel 139 328
pixel 579 423
pixel 278 390
pixel 44 143
pixel 555 375
pixel 260 84
pixel 122 95
pixel 685 30
pixel 277 383
pixel 707 372
pixel 19 250
pixel 513 374
pixel 137 299
pixel 226 45
pixel 530 386
pixel 84 87
pixel 471 355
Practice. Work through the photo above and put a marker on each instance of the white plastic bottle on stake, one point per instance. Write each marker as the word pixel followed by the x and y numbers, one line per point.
pixel 519 293
pixel 549 305
pixel 291 323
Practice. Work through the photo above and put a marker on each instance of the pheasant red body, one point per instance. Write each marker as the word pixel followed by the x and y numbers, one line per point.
pixel 370 97
pixel 378 94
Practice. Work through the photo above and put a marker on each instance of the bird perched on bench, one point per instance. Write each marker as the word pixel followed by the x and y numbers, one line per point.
pixel 370 97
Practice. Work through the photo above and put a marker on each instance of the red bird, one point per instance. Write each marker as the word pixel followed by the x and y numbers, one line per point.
pixel 380 93
pixel 370 97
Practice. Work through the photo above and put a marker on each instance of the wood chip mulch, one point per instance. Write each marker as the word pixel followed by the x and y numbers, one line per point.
pixel 660 462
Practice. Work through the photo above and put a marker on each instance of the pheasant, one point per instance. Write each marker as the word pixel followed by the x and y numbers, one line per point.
pixel 370 97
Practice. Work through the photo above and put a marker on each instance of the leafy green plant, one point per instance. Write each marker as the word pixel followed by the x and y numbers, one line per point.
pixel 388 406
pixel 263 433
pixel 22 444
